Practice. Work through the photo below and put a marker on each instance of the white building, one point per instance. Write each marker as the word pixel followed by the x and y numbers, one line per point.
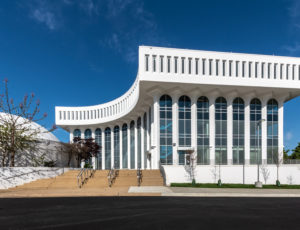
pixel 223 108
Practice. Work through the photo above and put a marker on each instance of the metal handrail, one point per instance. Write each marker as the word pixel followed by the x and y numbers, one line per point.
pixel 112 175
pixel 84 175
pixel 139 176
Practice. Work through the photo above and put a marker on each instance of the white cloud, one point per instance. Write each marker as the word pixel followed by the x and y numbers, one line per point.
pixel 89 6
pixel 294 49
pixel 44 13
pixel 288 136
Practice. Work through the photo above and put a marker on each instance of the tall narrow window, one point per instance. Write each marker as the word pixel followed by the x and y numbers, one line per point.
pixel 210 66
pixel 281 68
pixel 203 66
pixel 147 62
pixel 139 143
pixel 107 133
pixel 230 68
pixel 124 146
pixel 287 71
pixel 217 67
pixel 275 70
pixel 166 151
pixel 182 65
pixel 154 63
pixel 76 133
pixel 293 72
pixel 262 70
pixel 202 130
pixel 190 65
pixel 132 145
pixel 175 64
pixel 238 152
pixel 161 64
pixel 145 125
pixel 224 67
pixel 221 131
pixel 169 64
pixel 250 68
pixel 237 68
pixel 269 70
pixel 255 131
pixel 243 68
pixel 256 69
pixel 98 140
pixel 272 132
pixel 196 66
pixel 117 147
pixel 184 109
pixel 87 134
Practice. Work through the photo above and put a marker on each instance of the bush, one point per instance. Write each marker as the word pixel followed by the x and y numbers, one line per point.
pixel 49 163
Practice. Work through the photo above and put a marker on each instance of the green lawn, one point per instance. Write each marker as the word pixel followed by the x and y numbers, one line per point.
pixel 284 186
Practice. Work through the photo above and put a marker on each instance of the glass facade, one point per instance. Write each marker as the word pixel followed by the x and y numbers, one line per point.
pixel 238 131
pixel 117 147
pixel 107 138
pixel 255 131
pixel 165 111
pixel 184 126
pixel 124 146
pixel 98 140
pixel 139 143
pixel 203 131
pixel 221 131
pixel 132 146
pixel 272 132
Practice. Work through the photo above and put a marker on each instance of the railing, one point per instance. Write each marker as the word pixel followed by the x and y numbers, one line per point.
pixel 139 176
pixel 112 175
pixel 84 175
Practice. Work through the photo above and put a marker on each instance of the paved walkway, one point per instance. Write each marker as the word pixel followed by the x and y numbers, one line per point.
pixel 216 192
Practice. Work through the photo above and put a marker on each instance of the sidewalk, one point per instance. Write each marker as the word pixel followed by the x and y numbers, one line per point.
pixel 216 192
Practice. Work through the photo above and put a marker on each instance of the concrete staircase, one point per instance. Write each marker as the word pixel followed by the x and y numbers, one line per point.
pixel 99 180
pixel 152 178
pixel 127 178
pixel 68 180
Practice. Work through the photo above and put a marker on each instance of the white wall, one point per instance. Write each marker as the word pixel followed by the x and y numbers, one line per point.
pixel 14 176
pixel 288 174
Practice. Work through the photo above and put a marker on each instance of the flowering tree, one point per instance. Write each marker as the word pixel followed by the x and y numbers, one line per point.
pixel 17 130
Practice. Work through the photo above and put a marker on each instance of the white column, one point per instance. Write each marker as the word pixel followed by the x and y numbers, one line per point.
pixel 229 130
pixel 264 131
pixel 71 135
pixel 175 128
pixel 271 70
pixel 194 125
pixel 156 155
pixel 212 129
pixel 135 144
pixel 280 127
pixel 143 151
pixel 128 145
pixel 121 147
pixel 112 156
pixel 103 147
pixel 247 130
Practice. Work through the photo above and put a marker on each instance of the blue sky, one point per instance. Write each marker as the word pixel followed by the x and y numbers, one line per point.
pixel 72 53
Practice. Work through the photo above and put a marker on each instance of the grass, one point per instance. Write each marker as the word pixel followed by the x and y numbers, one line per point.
pixel 189 185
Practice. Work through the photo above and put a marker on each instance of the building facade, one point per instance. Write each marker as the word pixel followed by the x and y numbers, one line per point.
pixel 209 108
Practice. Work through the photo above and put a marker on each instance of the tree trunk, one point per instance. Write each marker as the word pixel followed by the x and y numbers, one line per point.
pixel 3 159
pixel 12 159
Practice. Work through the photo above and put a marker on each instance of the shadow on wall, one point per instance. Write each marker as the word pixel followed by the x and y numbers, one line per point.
pixel 45 152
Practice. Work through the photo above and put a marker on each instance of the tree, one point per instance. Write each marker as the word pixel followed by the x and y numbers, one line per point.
pixel 296 152
pixel 80 149
pixel 17 130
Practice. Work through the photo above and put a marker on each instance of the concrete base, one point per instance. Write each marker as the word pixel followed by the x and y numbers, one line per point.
pixel 258 184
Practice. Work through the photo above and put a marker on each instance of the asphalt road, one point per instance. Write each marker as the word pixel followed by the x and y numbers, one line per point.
pixel 150 213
